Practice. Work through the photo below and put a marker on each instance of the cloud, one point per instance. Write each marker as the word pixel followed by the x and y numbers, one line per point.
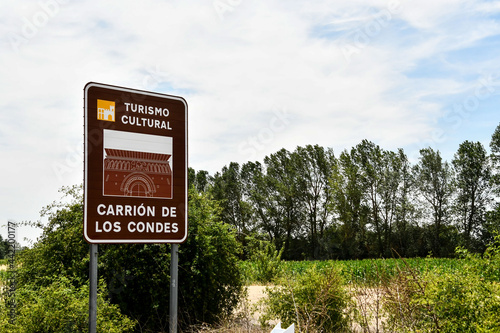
pixel 257 76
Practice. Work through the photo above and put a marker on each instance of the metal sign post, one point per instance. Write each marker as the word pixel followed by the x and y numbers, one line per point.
pixel 93 289
pixel 174 263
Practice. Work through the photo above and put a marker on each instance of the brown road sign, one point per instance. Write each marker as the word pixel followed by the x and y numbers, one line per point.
pixel 135 177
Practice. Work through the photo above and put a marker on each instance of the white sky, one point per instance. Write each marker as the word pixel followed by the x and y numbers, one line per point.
pixel 257 75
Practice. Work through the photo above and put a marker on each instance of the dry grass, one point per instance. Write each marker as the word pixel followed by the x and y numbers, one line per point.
pixel 367 300
pixel 245 318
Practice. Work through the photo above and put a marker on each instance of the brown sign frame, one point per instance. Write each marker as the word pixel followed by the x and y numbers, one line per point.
pixel 135 166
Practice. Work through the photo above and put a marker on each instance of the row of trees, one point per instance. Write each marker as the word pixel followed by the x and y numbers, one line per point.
pixel 366 202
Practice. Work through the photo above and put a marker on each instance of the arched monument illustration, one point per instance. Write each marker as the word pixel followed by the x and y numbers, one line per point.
pixel 137 174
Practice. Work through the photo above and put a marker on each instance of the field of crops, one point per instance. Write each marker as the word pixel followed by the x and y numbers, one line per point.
pixel 367 271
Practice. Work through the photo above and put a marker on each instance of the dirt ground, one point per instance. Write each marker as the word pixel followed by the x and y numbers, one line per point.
pixel 368 302
pixel 255 294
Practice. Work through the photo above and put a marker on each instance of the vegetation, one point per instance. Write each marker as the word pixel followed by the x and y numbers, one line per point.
pixel 265 219
pixel 390 295
pixel 4 248
pixel 364 203
pixel 212 281
pixel 463 300
pixel 367 272
pixel 264 264
pixel 135 278
pixel 61 307
pixel 313 301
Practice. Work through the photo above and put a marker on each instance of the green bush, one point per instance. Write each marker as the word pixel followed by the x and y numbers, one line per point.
pixel 265 261
pixel 466 300
pixel 137 276
pixel 313 301
pixel 210 278
pixel 60 308
pixel 462 302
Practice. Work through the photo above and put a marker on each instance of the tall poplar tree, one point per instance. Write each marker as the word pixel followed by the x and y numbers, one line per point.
pixel 227 189
pixel 314 166
pixel 348 189
pixel 406 211
pixel 493 216
pixel 495 158
pixel 434 181
pixel 473 175
pixel 370 158
pixel 282 177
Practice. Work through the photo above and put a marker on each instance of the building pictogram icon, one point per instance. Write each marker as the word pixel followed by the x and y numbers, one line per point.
pixel 105 110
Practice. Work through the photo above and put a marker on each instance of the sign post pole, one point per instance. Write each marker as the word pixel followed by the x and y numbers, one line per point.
pixel 93 289
pixel 174 263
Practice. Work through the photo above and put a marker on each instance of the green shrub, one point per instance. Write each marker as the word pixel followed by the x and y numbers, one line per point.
pixel 137 276
pixel 210 279
pixel 313 301
pixel 465 300
pixel 462 302
pixel 60 307
pixel 265 261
